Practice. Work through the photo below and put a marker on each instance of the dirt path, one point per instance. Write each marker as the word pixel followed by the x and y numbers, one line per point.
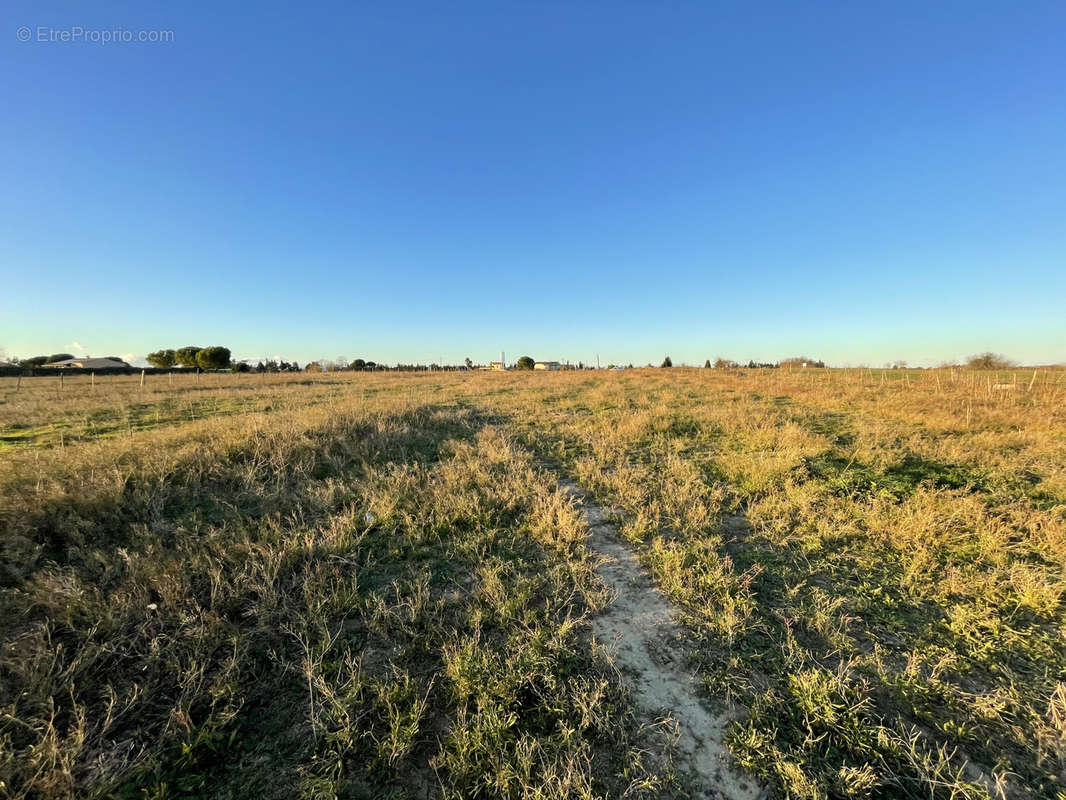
pixel 639 628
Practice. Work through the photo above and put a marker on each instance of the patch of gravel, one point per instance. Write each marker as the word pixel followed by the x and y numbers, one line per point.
pixel 639 628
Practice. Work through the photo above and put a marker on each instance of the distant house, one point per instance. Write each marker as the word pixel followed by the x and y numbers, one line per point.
pixel 552 365
pixel 89 363
pixel 499 366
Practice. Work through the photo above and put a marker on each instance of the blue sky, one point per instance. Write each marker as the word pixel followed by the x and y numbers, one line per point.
pixel 430 181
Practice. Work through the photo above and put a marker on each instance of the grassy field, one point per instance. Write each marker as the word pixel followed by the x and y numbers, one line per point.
pixel 355 585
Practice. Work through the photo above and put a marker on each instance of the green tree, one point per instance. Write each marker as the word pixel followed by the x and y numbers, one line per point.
pixel 358 365
pixel 213 358
pixel 162 359
pixel 58 357
pixel 469 364
pixel 525 362
pixel 186 356
pixel 667 362
pixel 707 364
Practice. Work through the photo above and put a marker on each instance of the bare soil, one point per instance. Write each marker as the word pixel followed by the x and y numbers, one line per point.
pixel 640 628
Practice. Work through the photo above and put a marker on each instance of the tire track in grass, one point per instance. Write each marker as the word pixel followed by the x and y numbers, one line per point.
pixel 639 628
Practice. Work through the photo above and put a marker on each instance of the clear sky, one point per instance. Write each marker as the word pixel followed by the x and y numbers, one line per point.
pixel 429 181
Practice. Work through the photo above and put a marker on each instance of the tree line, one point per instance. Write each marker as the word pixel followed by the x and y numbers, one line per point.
pixel 219 357
pixel 726 363
pixel 215 357
pixel 191 357
pixel 363 365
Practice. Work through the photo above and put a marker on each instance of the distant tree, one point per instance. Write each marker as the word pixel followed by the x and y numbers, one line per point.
pixel 162 359
pixel 707 364
pixel 58 357
pixel 525 362
pixel 314 366
pixel 358 365
pixel 667 362
pixel 35 361
pixel 469 363
pixel 801 361
pixel 260 367
pixel 241 366
pixel 213 358
pixel 186 356
pixel 724 363
pixel 989 361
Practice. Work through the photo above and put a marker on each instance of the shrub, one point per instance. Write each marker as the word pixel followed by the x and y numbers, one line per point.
pixel 989 361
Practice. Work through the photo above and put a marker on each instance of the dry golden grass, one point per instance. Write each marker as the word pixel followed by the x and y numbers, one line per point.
pixel 370 585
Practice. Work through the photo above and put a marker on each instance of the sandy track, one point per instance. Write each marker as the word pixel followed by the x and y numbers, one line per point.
pixel 640 629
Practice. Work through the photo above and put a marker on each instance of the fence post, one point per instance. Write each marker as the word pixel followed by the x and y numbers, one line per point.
pixel 61 378
pixel 142 380
pixel 18 383
pixel 92 380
